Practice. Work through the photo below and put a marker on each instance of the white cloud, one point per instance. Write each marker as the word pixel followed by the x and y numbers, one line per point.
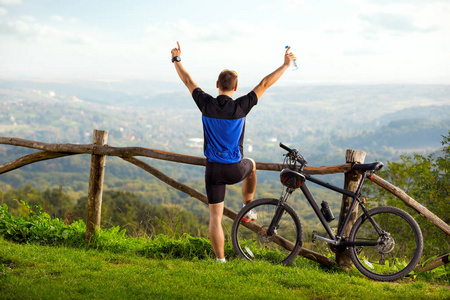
pixel 26 28
pixel 264 7
pixel 294 5
pixel 73 20
pixel 394 22
pixel 216 32
pixel 57 18
pixel 3 11
pixel 10 2
pixel 27 18
pixel 389 2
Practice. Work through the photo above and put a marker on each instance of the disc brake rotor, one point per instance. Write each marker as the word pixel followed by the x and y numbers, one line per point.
pixel 264 238
pixel 386 243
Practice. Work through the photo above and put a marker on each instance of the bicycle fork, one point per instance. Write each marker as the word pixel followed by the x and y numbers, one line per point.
pixel 272 229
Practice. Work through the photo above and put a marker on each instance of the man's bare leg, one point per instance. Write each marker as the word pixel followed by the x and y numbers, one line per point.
pixel 249 185
pixel 216 235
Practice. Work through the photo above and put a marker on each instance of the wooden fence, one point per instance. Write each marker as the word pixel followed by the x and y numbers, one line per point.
pixel 99 150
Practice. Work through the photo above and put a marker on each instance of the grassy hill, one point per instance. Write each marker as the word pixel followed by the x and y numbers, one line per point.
pixel 43 272
pixel 44 258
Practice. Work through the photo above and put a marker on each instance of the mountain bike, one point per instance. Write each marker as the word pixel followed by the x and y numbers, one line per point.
pixel 385 243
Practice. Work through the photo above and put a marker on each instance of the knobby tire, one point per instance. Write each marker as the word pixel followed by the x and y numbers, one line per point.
pixel 258 245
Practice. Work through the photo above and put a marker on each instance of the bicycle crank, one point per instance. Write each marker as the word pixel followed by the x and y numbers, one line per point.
pixel 336 248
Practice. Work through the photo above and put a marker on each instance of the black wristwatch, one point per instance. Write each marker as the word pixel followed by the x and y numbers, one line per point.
pixel 176 58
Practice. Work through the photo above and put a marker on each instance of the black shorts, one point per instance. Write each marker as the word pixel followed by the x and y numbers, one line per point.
pixel 217 176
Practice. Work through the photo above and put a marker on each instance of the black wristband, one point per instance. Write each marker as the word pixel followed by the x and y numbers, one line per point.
pixel 176 58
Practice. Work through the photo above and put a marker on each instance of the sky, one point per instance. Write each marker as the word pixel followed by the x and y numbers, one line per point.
pixel 335 41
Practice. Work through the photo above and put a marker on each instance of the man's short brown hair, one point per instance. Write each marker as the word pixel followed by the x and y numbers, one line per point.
pixel 227 80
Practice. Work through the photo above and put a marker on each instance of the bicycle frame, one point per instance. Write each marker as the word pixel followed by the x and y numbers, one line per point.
pixel 337 240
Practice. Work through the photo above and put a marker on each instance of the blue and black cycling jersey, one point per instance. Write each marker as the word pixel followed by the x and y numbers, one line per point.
pixel 224 125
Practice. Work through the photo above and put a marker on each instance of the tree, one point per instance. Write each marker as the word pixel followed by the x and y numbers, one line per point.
pixel 54 202
pixel 127 210
pixel 427 180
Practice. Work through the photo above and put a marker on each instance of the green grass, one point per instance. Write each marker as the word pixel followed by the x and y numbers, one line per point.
pixel 43 258
pixel 49 272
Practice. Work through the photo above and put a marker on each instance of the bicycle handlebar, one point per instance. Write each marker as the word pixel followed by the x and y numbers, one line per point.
pixel 295 155
pixel 285 147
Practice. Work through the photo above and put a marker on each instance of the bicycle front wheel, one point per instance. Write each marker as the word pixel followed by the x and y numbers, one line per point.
pixel 253 242
pixel 399 247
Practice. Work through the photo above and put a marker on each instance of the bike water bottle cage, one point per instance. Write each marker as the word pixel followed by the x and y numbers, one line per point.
pixel 291 179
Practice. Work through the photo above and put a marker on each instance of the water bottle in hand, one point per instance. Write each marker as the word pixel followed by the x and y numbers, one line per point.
pixel 294 62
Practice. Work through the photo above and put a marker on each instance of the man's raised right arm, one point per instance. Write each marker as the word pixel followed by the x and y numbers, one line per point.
pixel 181 71
pixel 270 79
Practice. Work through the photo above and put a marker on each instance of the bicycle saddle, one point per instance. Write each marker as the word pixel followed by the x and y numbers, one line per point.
pixel 374 167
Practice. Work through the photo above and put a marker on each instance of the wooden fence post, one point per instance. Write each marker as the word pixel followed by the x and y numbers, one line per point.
pixel 94 205
pixel 351 182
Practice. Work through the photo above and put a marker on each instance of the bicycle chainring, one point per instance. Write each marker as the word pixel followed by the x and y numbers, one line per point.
pixel 337 249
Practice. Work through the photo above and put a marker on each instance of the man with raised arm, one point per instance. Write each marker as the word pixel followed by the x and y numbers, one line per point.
pixel 223 128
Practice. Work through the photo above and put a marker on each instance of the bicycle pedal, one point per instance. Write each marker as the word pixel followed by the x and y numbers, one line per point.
pixel 314 236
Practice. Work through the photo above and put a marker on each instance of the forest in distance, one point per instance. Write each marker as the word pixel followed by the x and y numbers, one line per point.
pixel 320 121
pixel 385 121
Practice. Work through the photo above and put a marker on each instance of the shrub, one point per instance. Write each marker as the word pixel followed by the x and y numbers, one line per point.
pixel 38 227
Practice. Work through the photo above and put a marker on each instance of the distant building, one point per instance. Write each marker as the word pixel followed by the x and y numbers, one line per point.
pixel 195 143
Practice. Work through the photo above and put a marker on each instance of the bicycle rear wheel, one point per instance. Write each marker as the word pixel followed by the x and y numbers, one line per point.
pixel 399 251
pixel 252 241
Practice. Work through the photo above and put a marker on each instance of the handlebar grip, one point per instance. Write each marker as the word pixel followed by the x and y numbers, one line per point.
pixel 285 147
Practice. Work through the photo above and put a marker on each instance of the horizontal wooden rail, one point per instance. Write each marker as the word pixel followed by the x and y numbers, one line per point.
pixel 29 159
pixel 434 263
pixel 49 151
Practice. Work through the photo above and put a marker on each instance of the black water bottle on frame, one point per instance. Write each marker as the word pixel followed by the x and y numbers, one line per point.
pixel 326 211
